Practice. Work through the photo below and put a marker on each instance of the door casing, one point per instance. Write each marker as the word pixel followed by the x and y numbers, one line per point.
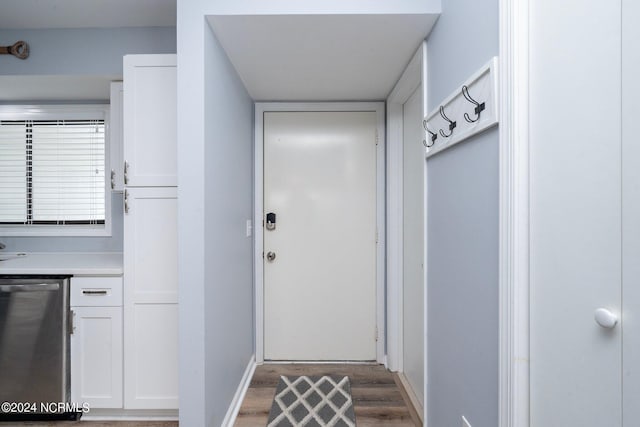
pixel 260 109
pixel 413 76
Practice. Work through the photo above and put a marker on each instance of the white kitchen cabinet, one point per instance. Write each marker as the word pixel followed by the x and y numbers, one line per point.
pixel 116 162
pixel 150 233
pixel 150 110
pixel 96 341
pixel 150 298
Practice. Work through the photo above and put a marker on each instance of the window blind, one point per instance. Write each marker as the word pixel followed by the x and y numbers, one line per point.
pixel 52 172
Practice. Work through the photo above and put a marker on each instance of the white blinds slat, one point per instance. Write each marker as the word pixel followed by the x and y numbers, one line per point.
pixel 60 165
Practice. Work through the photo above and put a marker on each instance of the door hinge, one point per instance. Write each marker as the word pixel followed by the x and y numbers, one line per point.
pixel 126 201
pixel 70 325
pixel 377 241
pixel 126 172
pixel 377 139
pixel 376 333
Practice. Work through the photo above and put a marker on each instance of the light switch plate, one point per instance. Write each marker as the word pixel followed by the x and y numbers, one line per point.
pixel 465 423
pixel 249 228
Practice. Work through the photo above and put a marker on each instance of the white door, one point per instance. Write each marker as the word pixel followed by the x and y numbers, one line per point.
pixel 630 213
pixel 320 289
pixel 413 243
pixel 96 357
pixel 149 120
pixel 576 252
pixel 151 298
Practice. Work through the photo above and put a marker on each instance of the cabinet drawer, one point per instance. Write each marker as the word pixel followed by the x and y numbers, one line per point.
pixel 96 291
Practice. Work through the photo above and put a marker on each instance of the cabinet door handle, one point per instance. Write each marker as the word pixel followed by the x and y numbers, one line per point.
pixel 113 179
pixel 94 292
pixel 126 172
pixel 126 201
pixel 606 318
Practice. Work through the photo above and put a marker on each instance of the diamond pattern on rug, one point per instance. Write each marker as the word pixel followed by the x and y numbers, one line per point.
pixel 312 402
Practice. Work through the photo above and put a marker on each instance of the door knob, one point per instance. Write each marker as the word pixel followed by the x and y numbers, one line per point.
pixel 271 256
pixel 605 318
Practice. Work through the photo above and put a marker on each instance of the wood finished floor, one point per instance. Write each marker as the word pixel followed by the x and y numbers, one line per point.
pixel 377 395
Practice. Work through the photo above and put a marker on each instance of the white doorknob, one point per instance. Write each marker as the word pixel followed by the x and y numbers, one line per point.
pixel 606 318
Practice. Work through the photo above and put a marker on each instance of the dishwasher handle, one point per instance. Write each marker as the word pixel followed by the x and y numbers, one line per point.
pixel 35 287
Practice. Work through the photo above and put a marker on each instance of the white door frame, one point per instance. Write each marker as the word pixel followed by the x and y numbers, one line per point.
pixel 260 109
pixel 412 77
pixel 514 214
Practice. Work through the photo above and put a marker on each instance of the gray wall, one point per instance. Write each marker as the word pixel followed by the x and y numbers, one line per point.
pixel 462 224
pixel 228 251
pixel 215 167
pixel 81 52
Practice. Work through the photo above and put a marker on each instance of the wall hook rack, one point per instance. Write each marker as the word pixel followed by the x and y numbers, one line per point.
pixel 452 124
pixel 464 114
pixel 478 109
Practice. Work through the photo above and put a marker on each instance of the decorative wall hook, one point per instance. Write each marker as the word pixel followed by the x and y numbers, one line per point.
pixel 19 49
pixel 478 109
pixel 432 136
pixel 452 124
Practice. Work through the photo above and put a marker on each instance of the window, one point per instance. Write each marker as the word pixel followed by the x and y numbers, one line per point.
pixel 52 171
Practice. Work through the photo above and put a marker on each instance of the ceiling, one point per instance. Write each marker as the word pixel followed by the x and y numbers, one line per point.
pixel 278 57
pixel 38 14
pixel 320 57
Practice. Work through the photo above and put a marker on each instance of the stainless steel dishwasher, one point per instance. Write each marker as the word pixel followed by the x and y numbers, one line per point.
pixel 34 346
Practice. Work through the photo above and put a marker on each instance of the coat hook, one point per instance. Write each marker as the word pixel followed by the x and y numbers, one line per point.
pixel 479 107
pixel 432 136
pixel 452 124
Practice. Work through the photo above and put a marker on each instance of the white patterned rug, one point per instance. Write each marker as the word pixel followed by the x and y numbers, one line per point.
pixel 312 402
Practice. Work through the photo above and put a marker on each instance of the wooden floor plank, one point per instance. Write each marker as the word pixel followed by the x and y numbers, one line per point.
pixel 252 420
pixel 257 401
pixel 378 400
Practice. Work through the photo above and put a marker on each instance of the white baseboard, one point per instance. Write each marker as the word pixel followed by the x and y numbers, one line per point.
pixel 131 415
pixel 417 404
pixel 234 407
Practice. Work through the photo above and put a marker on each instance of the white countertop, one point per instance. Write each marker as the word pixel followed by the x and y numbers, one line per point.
pixel 54 263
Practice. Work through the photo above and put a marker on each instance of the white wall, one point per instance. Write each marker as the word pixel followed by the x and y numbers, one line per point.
pixel 191 216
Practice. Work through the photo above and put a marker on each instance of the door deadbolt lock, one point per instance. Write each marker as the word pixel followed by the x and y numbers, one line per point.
pixel 271 221
pixel 271 256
